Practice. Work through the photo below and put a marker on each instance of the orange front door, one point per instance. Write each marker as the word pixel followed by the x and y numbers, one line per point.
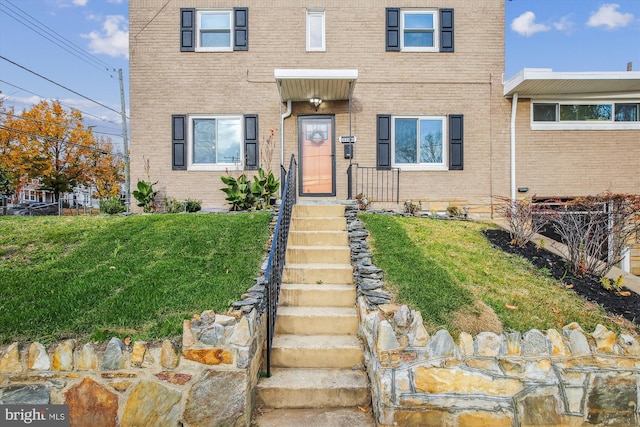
pixel 317 148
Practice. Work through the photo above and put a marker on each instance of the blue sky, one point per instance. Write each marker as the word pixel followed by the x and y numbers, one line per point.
pixel 566 35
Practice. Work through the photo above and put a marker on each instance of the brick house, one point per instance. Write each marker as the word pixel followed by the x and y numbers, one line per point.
pixel 420 84
pixel 211 80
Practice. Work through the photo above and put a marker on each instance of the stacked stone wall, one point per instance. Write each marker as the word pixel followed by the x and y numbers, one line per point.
pixel 208 379
pixel 561 378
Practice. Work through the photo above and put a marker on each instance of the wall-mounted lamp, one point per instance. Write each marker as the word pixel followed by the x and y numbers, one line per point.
pixel 316 102
pixel 523 189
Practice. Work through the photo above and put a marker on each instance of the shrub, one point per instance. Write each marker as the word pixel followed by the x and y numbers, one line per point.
pixel 412 208
pixel 146 196
pixel 239 193
pixel 363 202
pixel 193 205
pixel 597 230
pixel 454 211
pixel 173 205
pixel 112 206
pixel 520 215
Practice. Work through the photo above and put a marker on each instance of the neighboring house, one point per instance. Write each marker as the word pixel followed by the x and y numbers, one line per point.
pixel 32 192
pixel 575 134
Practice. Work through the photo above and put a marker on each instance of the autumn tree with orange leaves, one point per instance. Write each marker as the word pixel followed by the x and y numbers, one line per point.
pixel 51 144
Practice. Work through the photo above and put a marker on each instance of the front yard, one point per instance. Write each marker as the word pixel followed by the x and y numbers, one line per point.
pixel 138 276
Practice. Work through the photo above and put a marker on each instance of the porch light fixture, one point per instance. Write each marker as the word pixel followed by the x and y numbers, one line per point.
pixel 316 102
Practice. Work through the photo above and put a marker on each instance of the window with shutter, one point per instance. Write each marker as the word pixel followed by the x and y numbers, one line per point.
pixel 214 30
pixel 419 30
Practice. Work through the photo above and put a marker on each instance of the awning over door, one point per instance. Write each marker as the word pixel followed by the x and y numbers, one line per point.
pixel 304 84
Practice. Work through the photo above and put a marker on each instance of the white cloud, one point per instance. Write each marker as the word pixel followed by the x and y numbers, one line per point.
pixel 525 25
pixel 608 16
pixel 113 40
pixel 565 24
pixel 79 2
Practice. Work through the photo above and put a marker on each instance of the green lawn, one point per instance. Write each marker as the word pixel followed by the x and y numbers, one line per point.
pixel 138 276
pixel 450 272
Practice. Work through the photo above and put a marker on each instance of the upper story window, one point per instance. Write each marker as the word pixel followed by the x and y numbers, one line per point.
pixel 315 30
pixel 419 142
pixel 585 115
pixel 215 142
pixel 419 30
pixel 214 31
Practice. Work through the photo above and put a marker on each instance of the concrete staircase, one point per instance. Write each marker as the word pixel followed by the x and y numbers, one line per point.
pixel 318 377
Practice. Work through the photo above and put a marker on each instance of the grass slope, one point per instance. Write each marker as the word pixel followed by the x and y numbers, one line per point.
pixel 449 271
pixel 138 276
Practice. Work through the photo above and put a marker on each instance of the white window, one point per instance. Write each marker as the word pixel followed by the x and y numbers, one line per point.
pixel 578 115
pixel 215 142
pixel 419 31
pixel 214 31
pixel 315 30
pixel 419 143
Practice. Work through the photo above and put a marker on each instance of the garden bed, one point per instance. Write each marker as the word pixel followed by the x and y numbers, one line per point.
pixel 589 287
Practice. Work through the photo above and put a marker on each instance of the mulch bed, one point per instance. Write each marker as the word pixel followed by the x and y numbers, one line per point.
pixel 588 287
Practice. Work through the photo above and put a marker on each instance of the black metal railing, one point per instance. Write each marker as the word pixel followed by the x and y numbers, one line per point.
pixel 379 185
pixel 276 262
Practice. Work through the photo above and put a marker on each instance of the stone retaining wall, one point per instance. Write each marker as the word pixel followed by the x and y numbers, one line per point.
pixel 208 380
pixel 567 378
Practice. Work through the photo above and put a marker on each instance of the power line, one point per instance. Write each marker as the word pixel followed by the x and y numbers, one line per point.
pixel 55 124
pixel 62 86
pixel 55 38
pixel 64 105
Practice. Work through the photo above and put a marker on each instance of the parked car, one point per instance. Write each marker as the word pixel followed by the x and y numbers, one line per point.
pixel 34 209
pixel 42 209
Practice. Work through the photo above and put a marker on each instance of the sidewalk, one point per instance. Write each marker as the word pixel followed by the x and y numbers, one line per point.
pixel 631 281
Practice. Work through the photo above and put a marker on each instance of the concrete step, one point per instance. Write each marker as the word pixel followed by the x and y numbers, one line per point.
pixel 317 351
pixel 318 254
pixel 323 417
pixel 318 210
pixel 317 273
pixel 319 238
pixel 318 224
pixel 301 294
pixel 313 388
pixel 317 320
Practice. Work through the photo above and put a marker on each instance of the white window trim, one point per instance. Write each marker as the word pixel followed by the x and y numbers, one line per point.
pixel 213 166
pixel 436 30
pixel 444 166
pixel 231 31
pixel 583 125
pixel 310 13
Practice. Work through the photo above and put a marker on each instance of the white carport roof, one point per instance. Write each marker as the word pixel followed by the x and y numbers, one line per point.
pixel 304 84
pixel 544 82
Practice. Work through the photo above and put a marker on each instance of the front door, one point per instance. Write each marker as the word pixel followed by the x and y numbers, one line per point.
pixel 317 155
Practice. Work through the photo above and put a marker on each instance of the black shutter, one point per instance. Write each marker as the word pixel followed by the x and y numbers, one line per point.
pixel 446 30
pixel 241 28
pixel 187 29
pixel 383 141
pixel 251 141
pixel 179 142
pixel 393 29
pixel 456 142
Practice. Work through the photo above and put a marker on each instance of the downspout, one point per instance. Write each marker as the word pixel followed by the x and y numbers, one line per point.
pixel 514 107
pixel 282 117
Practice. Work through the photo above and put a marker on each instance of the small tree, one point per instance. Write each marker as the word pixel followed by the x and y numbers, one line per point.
pixel 523 223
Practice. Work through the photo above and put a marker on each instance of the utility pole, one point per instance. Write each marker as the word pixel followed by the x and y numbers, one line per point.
pixel 125 143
